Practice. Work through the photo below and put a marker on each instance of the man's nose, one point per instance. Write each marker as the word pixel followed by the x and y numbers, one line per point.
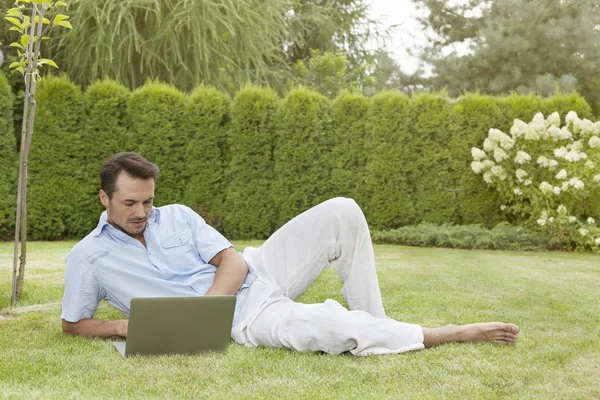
pixel 139 211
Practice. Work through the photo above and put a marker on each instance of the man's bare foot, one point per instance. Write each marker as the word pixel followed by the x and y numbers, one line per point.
pixel 498 332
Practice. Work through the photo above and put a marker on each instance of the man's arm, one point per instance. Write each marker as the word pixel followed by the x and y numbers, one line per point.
pixel 96 327
pixel 231 273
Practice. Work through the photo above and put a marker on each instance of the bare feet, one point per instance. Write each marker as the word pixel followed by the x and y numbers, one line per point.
pixel 498 332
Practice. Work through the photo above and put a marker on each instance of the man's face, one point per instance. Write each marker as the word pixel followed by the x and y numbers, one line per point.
pixel 130 205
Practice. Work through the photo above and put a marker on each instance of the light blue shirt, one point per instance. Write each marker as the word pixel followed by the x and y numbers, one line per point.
pixel 109 264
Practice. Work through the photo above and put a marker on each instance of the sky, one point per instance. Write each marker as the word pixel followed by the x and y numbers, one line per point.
pixel 406 35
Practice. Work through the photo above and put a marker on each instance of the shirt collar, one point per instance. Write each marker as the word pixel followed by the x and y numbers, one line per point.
pixel 103 222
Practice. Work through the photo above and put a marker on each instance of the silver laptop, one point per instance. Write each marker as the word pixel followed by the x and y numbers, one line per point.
pixel 178 325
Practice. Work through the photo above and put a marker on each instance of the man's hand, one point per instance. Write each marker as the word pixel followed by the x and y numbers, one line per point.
pixel 96 328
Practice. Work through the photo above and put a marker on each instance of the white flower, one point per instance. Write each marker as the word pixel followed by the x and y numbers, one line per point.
pixel 522 157
pixel 531 134
pixel 576 183
pixel 488 145
pixel 517 191
pixel 583 232
pixel 590 164
pixel 597 178
pixel 497 136
pixel 541 222
pixel 545 187
pixel 573 156
pixel 550 220
pixel 572 219
pixel 477 154
pixel 576 145
pixel 497 170
pixel 594 142
pixel 562 174
pixel 527 182
pixel 520 174
pixel 519 127
pixel 591 221
pixel 564 186
pixel 477 167
pixel 560 153
pixel 503 207
pixel 561 209
pixel 543 161
pixel 487 177
pixel 556 190
pixel 552 164
pixel 500 155
pixel 553 119
pixel 586 127
pixel 597 241
pixel 571 116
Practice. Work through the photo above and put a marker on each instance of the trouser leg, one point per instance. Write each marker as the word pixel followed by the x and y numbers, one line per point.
pixel 335 232
pixel 330 328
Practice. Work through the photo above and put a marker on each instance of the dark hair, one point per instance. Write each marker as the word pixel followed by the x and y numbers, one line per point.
pixel 129 162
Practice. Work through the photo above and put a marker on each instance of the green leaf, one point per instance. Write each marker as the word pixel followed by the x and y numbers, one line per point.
pixel 26 25
pixel 14 21
pixel 24 40
pixel 21 70
pixel 45 21
pixel 13 12
pixel 66 24
pixel 14 64
pixel 45 37
pixel 18 45
pixel 60 18
pixel 46 5
pixel 60 4
pixel 14 28
pixel 47 61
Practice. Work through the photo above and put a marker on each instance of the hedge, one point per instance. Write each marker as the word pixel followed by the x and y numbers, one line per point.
pixel 56 196
pixel 250 165
pixel 157 132
pixel 250 200
pixel 349 153
pixel 8 162
pixel 389 186
pixel 104 135
pixel 303 144
pixel 206 120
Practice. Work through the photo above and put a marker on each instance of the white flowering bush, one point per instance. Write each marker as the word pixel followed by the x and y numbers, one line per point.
pixel 548 175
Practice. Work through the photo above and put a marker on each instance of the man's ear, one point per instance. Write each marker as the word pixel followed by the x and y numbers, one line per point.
pixel 104 198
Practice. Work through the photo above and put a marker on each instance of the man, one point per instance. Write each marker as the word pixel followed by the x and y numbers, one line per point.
pixel 138 250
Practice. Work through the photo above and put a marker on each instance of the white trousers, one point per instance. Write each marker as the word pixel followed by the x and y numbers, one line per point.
pixel 334 232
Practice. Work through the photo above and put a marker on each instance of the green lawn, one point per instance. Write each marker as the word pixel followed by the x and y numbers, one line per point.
pixel 553 297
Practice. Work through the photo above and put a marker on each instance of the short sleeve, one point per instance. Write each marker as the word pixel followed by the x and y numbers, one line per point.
pixel 207 239
pixel 82 291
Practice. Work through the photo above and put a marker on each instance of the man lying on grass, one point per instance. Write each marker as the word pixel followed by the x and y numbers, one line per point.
pixel 138 250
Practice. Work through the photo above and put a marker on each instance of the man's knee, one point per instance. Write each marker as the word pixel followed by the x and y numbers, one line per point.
pixel 344 206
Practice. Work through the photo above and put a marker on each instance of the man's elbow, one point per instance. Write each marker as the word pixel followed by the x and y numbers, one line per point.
pixel 69 328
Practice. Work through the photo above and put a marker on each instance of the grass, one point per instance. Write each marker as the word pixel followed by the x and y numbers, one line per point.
pixel 552 296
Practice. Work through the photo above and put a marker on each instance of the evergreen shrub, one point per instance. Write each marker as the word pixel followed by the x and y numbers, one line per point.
pixel 56 196
pixel 349 151
pixel 206 121
pixel 157 132
pixel 389 187
pixel 8 162
pixel 104 135
pixel 302 153
pixel 250 204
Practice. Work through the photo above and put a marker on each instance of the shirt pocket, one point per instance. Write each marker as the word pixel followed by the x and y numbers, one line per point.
pixel 178 239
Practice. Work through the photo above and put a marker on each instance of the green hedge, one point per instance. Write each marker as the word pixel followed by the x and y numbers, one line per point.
pixel 250 200
pixel 349 153
pixel 157 132
pixel 206 120
pixel 251 165
pixel 389 187
pixel 8 162
pixel 56 196
pixel 104 135
pixel 303 144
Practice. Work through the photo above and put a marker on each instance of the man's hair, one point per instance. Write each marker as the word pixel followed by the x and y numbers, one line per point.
pixel 131 163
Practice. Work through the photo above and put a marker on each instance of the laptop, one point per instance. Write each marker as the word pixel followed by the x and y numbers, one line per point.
pixel 178 325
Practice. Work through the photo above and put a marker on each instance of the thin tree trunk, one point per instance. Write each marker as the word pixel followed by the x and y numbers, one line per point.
pixel 26 136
